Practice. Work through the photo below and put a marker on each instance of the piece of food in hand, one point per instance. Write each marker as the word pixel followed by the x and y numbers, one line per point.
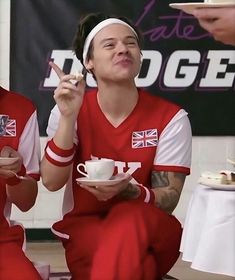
pixel 214 178
pixel 79 76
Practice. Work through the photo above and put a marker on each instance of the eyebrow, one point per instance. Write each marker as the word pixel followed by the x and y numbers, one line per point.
pixel 112 38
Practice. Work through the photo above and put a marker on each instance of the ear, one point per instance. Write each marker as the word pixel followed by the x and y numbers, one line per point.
pixel 141 57
pixel 89 65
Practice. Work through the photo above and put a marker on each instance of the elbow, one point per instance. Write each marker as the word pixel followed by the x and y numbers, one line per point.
pixel 51 185
pixel 54 178
pixel 25 206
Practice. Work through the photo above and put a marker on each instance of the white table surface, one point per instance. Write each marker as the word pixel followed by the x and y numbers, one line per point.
pixel 208 239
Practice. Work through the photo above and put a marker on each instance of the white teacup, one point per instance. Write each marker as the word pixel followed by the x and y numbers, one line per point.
pixel 97 169
pixel 3 124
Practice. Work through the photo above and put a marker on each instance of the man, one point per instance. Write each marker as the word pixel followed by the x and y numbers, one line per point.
pixel 19 172
pixel 124 231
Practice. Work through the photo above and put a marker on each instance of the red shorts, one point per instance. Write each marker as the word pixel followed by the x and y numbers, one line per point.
pixel 134 241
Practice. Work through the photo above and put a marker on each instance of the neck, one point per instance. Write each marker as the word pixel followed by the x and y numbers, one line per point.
pixel 117 102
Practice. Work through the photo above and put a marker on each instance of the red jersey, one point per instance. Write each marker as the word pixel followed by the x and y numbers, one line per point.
pixel 155 136
pixel 21 134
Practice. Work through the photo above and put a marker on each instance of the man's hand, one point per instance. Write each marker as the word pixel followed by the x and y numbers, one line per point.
pixel 68 96
pixel 106 192
pixel 6 171
pixel 220 22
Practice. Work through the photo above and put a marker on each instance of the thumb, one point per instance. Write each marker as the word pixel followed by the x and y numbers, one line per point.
pixel 6 151
pixel 81 85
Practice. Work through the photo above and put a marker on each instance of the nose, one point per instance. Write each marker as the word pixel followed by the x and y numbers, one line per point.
pixel 122 48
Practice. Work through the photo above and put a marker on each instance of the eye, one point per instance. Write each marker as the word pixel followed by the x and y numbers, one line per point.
pixel 109 45
pixel 132 43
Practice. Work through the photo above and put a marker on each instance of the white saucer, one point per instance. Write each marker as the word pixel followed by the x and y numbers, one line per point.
pixel 216 186
pixel 113 180
pixel 190 7
pixel 7 160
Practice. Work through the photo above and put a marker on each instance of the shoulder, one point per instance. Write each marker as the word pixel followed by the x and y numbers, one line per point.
pixel 89 100
pixel 23 103
pixel 149 97
pixel 16 105
pixel 158 105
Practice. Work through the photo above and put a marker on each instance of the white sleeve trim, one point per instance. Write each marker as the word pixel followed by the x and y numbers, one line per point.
pixel 53 124
pixel 147 197
pixel 29 145
pixel 175 142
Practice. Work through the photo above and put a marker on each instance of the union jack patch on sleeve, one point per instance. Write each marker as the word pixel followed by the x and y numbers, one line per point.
pixel 144 138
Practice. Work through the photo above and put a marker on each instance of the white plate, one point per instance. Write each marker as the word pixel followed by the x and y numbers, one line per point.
pixel 113 180
pixel 7 160
pixel 224 187
pixel 190 7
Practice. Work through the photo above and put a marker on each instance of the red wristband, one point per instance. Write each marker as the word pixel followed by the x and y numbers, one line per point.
pixel 14 180
pixel 58 156
pixel 146 195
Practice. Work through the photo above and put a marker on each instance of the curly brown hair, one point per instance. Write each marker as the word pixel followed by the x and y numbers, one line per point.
pixel 86 24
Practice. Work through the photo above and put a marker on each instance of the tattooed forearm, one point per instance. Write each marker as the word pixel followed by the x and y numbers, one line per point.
pixel 160 179
pixel 180 176
pixel 131 192
pixel 168 200
pixel 167 187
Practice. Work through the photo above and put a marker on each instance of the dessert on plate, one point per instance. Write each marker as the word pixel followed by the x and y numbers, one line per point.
pixel 224 177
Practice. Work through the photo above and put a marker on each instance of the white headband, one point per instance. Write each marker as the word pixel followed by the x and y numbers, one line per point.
pixel 97 28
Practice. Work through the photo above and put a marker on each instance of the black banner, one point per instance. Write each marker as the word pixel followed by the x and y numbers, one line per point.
pixel 181 61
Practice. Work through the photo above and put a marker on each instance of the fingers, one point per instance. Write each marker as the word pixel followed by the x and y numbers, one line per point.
pixel 79 76
pixel 62 76
pixel 106 192
pixel 68 89
pixel 206 25
pixel 67 85
pixel 5 152
pixel 81 85
pixel 57 69
pixel 8 151
pixel 206 14
pixel 92 189
pixel 97 192
pixel 15 166
pixel 7 169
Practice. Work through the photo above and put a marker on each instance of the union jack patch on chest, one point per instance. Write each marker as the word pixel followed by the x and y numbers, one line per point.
pixel 10 128
pixel 144 138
